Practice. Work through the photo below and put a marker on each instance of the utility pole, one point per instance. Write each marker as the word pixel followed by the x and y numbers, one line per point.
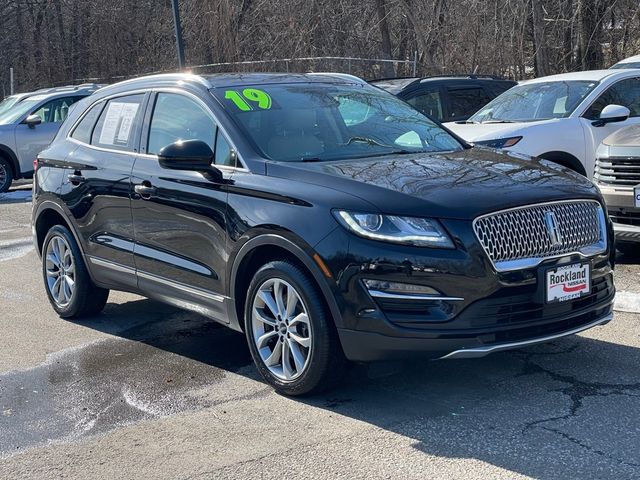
pixel 176 22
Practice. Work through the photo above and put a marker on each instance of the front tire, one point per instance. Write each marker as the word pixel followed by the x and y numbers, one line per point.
pixel 71 292
pixel 290 333
pixel 6 175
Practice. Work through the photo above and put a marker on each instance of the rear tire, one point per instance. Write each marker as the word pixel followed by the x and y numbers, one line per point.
pixel 69 288
pixel 6 175
pixel 290 332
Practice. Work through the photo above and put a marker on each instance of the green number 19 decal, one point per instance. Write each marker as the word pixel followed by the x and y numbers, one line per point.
pixel 253 95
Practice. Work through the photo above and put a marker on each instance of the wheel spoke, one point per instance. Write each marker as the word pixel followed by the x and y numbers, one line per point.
pixel 298 357
pixel 301 318
pixel 66 290
pixel 268 300
pixel 279 296
pixel 292 302
pixel 264 338
pixel 304 341
pixel 274 359
pixel 56 290
pixel 286 366
pixel 259 316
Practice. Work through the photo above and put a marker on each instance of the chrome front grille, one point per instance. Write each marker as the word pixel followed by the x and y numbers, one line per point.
pixel 617 171
pixel 523 237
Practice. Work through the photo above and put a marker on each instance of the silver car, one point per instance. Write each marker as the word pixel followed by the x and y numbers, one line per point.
pixel 28 123
pixel 617 173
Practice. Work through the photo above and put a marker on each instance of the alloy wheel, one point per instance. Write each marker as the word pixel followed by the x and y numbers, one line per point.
pixel 60 270
pixel 281 329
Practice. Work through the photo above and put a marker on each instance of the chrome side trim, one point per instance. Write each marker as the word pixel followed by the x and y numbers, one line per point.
pixel 416 296
pixel 182 287
pixel 482 351
pixel 111 265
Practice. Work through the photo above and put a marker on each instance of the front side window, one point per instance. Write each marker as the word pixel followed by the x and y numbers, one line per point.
pixel 56 111
pixel 322 122
pixel 625 93
pixel 535 101
pixel 177 117
pixel 117 123
pixel 428 103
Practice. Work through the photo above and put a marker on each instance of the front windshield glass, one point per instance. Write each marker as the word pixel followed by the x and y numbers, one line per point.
pixel 535 101
pixel 621 65
pixel 321 122
pixel 8 102
pixel 20 110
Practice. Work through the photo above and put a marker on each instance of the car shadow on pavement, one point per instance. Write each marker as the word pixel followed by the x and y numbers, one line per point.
pixel 566 409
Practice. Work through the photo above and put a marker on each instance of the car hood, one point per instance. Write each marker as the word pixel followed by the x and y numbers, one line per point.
pixel 458 185
pixel 474 132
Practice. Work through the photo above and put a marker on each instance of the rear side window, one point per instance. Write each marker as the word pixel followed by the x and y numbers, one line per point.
pixel 464 102
pixel 118 123
pixel 428 103
pixel 177 117
pixel 84 129
pixel 625 93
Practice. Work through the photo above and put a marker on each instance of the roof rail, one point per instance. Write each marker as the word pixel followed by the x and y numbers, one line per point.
pixel 344 76
pixel 473 76
pixel 384 79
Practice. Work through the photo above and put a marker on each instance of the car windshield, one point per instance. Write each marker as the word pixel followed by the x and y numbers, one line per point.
pixel 26 106
pixel 8 102
pixel 321 122
pixel 621 65
pixel 535 101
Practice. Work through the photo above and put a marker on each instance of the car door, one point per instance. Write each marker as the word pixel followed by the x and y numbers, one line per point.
pixel 30 141
pixel 97 185
pixel 624 92
pixel 180 216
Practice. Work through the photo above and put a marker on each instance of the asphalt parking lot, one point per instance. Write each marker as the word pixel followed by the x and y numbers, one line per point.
pixel 148 391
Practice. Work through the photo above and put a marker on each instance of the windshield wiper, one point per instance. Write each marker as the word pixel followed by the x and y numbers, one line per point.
pixel 498 121
pixel 368 141
pixel 462 122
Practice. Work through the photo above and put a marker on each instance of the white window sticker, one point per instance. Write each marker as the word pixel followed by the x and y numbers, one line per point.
pixel 117 123
pixel 128 114
pixel 110 125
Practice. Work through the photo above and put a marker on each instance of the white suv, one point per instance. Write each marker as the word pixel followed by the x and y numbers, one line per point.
pixel 562 118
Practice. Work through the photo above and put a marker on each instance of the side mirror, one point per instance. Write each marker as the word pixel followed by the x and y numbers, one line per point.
pixel 32 120
pixel 190 155
pixel 610 114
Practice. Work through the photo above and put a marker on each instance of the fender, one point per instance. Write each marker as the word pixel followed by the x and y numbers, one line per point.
pixel 295 250
pixel 13 160
pixel 50 205
pixel 566 160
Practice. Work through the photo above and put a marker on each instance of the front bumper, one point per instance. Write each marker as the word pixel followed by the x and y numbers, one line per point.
pixel 624 216
pixel 480 310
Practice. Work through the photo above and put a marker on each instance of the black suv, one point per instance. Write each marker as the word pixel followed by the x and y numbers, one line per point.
pixel 325 218
pixel 447 98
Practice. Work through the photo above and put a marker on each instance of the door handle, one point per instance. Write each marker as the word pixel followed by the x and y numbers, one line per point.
pixel 75 178
pixel 145 190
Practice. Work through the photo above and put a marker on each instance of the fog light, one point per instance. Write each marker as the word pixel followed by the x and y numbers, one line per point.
pixel 400 288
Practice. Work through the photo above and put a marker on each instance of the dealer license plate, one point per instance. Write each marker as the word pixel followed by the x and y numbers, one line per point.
pixel 636 196
pixel 568 282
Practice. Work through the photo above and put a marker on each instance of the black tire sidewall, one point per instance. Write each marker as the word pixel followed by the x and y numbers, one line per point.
pixel 321 338
pixel 5 187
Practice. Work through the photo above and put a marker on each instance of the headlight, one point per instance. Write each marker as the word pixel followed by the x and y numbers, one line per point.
pixel 500 142
pixel 422 232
